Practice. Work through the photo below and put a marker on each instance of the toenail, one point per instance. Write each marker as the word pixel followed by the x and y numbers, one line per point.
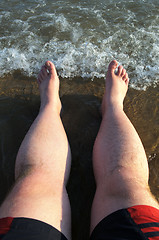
pixel 47 64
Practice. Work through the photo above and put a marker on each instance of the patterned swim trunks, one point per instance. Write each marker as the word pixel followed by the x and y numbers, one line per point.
pixel 135 223
pixel 27 229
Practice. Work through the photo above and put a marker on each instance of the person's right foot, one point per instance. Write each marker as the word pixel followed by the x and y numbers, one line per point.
pixel 116 87
pixel 49 87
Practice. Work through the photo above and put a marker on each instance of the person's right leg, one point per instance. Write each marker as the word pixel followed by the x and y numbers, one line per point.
pixel 119 160
pixel 43 163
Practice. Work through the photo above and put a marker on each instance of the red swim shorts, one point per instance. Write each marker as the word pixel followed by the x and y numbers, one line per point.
pixel 28 229
pixel 134 223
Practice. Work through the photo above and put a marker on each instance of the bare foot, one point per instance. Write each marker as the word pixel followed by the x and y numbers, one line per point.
pixel 116 87
pixel 49 87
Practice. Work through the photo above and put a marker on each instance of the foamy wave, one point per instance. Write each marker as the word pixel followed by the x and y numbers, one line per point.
pixel 87 60
pixel 81 40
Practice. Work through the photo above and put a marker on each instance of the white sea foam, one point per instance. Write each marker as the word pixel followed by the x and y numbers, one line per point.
pixel 81 39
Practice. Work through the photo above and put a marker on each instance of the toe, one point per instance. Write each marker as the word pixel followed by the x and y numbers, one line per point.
pixel 42 74
pixel 51 68
pixel 44 71
pixel 125 77
pixel 123 72
pixel 39 79
pixel 120 68
pixel 112 66
pixel 127 81
pixel 48 65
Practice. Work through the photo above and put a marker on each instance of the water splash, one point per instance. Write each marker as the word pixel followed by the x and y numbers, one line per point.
pixel 81 38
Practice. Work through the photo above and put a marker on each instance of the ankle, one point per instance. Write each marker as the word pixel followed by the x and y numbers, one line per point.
pixel 51 106
pixel 113 107
pixel 114 104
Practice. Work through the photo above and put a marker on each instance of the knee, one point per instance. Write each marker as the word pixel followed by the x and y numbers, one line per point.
pixel 122 182
pixel 23 170
pixel 39 179
pixel 40 173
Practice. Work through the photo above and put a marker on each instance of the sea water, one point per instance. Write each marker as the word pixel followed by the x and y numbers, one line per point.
pixel 81 37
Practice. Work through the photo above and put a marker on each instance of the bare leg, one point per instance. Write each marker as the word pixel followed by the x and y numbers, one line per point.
pixel 43 163
pixel 119 160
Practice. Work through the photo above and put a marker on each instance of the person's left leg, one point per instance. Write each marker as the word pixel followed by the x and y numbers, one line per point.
pixel 119 160
pixel 43 163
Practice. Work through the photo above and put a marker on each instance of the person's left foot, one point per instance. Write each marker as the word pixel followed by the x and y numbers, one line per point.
pixel 116 87
pixel 49 87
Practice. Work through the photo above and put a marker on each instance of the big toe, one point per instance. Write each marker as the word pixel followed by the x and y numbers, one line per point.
pixel 51 68
pixel 112 66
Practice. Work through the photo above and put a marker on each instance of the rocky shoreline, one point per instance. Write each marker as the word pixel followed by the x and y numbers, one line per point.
pixel 81 99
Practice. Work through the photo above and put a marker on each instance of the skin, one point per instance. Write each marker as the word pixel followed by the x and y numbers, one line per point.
pixel 43 163
pixel 119 159
pixel 44 158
